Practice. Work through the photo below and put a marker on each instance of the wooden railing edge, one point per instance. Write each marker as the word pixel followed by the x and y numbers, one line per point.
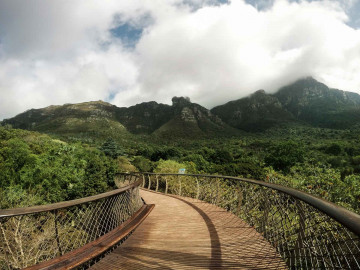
pixel 49 207
pixel 93 249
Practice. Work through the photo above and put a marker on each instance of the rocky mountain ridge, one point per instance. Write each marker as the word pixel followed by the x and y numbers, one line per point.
pixel 306 101
pixel 183 118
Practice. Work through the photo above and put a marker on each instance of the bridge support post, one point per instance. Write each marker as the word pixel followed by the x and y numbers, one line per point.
pixel 240 198
pixel 166 185
pixel 57 233
pixel 149 181
pixel 217 191
pixel 157 183
pixel 301 231
pixel 266 210
pixel 198 188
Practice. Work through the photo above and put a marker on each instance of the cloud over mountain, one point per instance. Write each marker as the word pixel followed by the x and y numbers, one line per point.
pixel 65 51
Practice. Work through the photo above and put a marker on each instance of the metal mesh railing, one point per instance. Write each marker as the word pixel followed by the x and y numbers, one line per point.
pixel 306 231
pixel 35 234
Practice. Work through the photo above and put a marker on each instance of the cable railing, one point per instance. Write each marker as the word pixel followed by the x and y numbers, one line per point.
pixel 306 231
pixel 45 235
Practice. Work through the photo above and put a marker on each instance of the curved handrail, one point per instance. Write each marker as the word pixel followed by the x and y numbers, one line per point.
pixel 306 231
pixel 32 235
pixel 347 218
pixel 94 249
pixel 11 212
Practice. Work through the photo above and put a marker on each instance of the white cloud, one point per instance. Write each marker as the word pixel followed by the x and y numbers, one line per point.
pixel 220 53
pixel 56 52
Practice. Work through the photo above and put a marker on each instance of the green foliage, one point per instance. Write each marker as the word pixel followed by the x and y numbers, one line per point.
pixel 285 155
pixel 124 165
pixel 171 166
pixel 111 148
pixel 334 149
pixel 142 164
pixel 322 161
pixel 46 170
pixel 202 165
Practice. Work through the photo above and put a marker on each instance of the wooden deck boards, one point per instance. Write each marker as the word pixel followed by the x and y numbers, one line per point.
pixel 183 233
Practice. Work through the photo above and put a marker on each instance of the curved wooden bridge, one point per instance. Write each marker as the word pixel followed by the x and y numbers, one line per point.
pixel 183 222
pixel 183 233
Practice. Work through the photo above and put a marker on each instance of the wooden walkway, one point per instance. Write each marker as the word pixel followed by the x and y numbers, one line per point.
pixel 183 233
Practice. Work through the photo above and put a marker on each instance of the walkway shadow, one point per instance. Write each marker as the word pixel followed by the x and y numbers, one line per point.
pixel 216 261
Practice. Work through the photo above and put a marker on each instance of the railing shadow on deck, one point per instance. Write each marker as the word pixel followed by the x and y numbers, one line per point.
pixel 67 234
pixel 308 232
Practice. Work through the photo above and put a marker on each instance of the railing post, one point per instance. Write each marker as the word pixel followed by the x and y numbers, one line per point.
pixel 240 198
pixel 301 233
pixel 180 185
pixel 166 185
pixel 198 188
pixel 217 191
pixel 149 181
pixel 264 220
pixel 157 183
pixel 143 176
pixel 57 233
pixel 5 244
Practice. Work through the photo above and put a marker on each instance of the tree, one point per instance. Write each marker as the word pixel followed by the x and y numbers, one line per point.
pixel 285 155
pixel 142 164
pixel 111 148
pixel 334 149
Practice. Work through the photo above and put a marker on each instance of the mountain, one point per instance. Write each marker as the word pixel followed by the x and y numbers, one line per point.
pixel 101 119
pixel 95 118
pixel 145 117
pixel 305 101
pixel 315 103
pixel 257 112
pixel 190 119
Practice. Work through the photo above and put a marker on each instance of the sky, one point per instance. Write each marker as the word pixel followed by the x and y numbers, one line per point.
pixel 132 51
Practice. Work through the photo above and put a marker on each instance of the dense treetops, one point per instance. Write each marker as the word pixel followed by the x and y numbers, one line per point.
pixel 36 169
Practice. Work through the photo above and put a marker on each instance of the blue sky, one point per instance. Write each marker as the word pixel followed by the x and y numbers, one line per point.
pixel 132 51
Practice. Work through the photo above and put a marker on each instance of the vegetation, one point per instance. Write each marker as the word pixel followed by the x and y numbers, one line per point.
pixel 43 169
pixel 36 169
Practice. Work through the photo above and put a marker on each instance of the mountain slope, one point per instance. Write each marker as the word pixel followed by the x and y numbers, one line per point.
pixel 145 117
pixel 254 113
pixel 305 101
pixel 101 119
pixel 191 119
pixel 315 103
pixel 95 118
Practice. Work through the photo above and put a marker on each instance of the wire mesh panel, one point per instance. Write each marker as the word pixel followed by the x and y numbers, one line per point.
pixel 304 236
pixel 28 239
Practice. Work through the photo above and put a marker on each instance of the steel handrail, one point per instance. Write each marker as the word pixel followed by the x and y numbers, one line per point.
pixel 344 216
pixel 11 212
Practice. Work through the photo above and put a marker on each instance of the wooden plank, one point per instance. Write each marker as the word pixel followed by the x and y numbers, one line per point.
pixel 185 233
pixel 92 250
